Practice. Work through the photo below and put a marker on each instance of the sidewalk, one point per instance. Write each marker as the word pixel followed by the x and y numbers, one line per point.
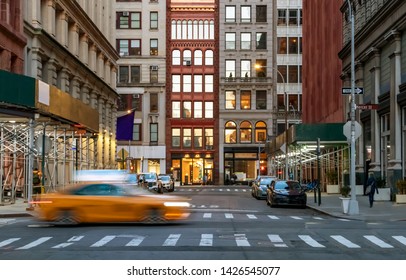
pixel 330 205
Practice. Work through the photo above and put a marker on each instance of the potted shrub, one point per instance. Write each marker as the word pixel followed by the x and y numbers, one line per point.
pixel 401 188
pixel 383 192
pixel 345 199
pixel 332 182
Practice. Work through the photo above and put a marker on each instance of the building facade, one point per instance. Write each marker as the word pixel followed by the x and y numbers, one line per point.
pixel 141 40
pixel 192 131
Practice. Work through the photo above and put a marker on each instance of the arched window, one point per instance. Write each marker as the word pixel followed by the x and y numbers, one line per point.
pixel 208 57
pixel 176 57
pixel 206 29
pixel 173 29
pixel 198 59
pixel 230 132
pixel 189 29
pixel 187 57
pixel 211 35
pixel 245 132
pixel 260 132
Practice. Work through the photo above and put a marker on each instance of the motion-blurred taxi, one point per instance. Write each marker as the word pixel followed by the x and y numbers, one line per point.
pixel 109 202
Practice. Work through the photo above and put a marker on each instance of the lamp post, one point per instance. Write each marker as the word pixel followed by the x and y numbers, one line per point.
pixel 353 207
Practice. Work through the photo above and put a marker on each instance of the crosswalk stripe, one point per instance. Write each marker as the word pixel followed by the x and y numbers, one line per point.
pixel 207 215
pixel 252 217
pixel 296 218
pixel 34 243
pixel 310 241
pixel 206 240
pixel 8 241
pixel 277 240
pixel 229 215
pixel 241 240
pixel 62 245
pixel 75 238
pixel 400 238
pixel 273 217
pixel 318 218
pixel 135 241
pixel 103 241
pixel 377 241
pixel 171 240
pixel 345 241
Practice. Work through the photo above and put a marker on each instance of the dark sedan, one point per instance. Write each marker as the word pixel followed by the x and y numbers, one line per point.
pixel 286 193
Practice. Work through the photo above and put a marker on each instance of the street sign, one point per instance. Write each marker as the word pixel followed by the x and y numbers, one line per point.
pixel 347 130
pixel 357 90
pixel 367 106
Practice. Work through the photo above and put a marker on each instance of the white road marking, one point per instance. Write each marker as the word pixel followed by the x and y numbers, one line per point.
pixel 347 243
pixel 277 240
pixel 377 241
pixel 171 240
pixel 75 238
pixel 318 218
pixel 310 241
pixel 229 215
pixel 207 215
pixel 253 217
pixel 241 240
pixel 400 238
pixel 206 240
pixel 34 243
pixel 103 241
pixel 8 241
pixel 296 218
pixel 136 241
pixel 273 217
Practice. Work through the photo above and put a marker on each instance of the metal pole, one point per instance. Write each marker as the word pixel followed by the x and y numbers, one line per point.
pixel 30 164
pixel 353 207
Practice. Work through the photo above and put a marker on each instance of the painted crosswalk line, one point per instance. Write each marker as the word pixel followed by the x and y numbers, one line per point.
pixel 241 240
pixel 377 241
pixel 171 240
pixel 103 241
pixel 344 241
pixel 310 241
pixel 8 241
pixel 206 239
pixel 34 243
pixel 277 240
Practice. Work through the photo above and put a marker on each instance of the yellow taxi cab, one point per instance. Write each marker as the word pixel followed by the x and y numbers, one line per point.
pixel 105 202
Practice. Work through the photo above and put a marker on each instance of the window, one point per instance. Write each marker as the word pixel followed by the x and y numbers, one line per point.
pixel 260 132
pixel 187 137
pixel 175 109
pixel 245 68
pixel 292 17
pixel 293 45
pixel 175 83
pixel 198 83
pixel 153 47
pixel 282 45
pixel 209 138
pixel 261 99
pixel 153 20
pixel 153 102
pixel 129 20
pixel 208 57
pixel 129 47
pixel 260 67
pixel 230 41
pixel 153 74
pixel 153 132
pixel 230 68
pixel 245 14
pixel 245 102
pixel 198 138
pixel 135 74
pixel 283 71
pixel 208 109
pixel 176 57
pixel 187 57
pixel 187 109
pixel 5 11
pixel 187 83
pixel 176 137
pixel 230 132
pixel 261 13
pixel 230 13
pixel 230 99
pixel 198 59
pixel 198 110
pixel 281 17
pixel 136 132
pixel 245 41
pixel 261 40
pixel 208 83
pixel 123 74
pixel 245 132
pixel 293 74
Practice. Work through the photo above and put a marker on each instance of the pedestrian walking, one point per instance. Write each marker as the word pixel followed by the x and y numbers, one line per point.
pixel 371 188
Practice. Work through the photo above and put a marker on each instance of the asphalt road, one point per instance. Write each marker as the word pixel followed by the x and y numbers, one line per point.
pixel 227 223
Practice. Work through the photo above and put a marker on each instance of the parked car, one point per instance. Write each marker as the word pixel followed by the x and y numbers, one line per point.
pixel 284 192
pixel 149 180
pixel 166 182
pixel 260 186
pixel 100 202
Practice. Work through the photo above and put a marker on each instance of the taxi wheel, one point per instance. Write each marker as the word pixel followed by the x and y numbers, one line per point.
pixel 66 217
pixel 153 216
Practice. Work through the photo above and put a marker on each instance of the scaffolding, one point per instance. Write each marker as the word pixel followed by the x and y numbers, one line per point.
pixel 54 149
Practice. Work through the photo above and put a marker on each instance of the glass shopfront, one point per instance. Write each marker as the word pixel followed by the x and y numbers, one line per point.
pixel 193 170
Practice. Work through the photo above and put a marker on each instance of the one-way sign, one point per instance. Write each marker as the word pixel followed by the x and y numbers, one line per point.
pixel 357 90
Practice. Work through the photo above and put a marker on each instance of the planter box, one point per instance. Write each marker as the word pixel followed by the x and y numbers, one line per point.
pixel 345 203
pixel 383 195
pixel 333 189
pixel 401 198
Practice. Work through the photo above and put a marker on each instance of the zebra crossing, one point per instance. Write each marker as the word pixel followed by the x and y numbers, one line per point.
pixel 208 189
pixel 209 240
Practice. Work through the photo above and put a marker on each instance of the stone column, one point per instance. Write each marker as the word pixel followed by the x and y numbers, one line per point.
pixel 62 28
pixel 48 18
pixel 64 77
pixel 375 164
pixel 84 96
pixel 100 65
pixel 73 39
pixel 93 99
pixel 75 87
pixel 106 74
pixel 34 13
pixel 84 49
pixel 93 57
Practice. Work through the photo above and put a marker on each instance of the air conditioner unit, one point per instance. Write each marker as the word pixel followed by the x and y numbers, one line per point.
pixel 126 14
pixel 136 96
pixel 188 63
pixel 154 68
pixel 123 53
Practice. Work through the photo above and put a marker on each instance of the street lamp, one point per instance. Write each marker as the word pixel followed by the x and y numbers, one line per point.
pixel 353 207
